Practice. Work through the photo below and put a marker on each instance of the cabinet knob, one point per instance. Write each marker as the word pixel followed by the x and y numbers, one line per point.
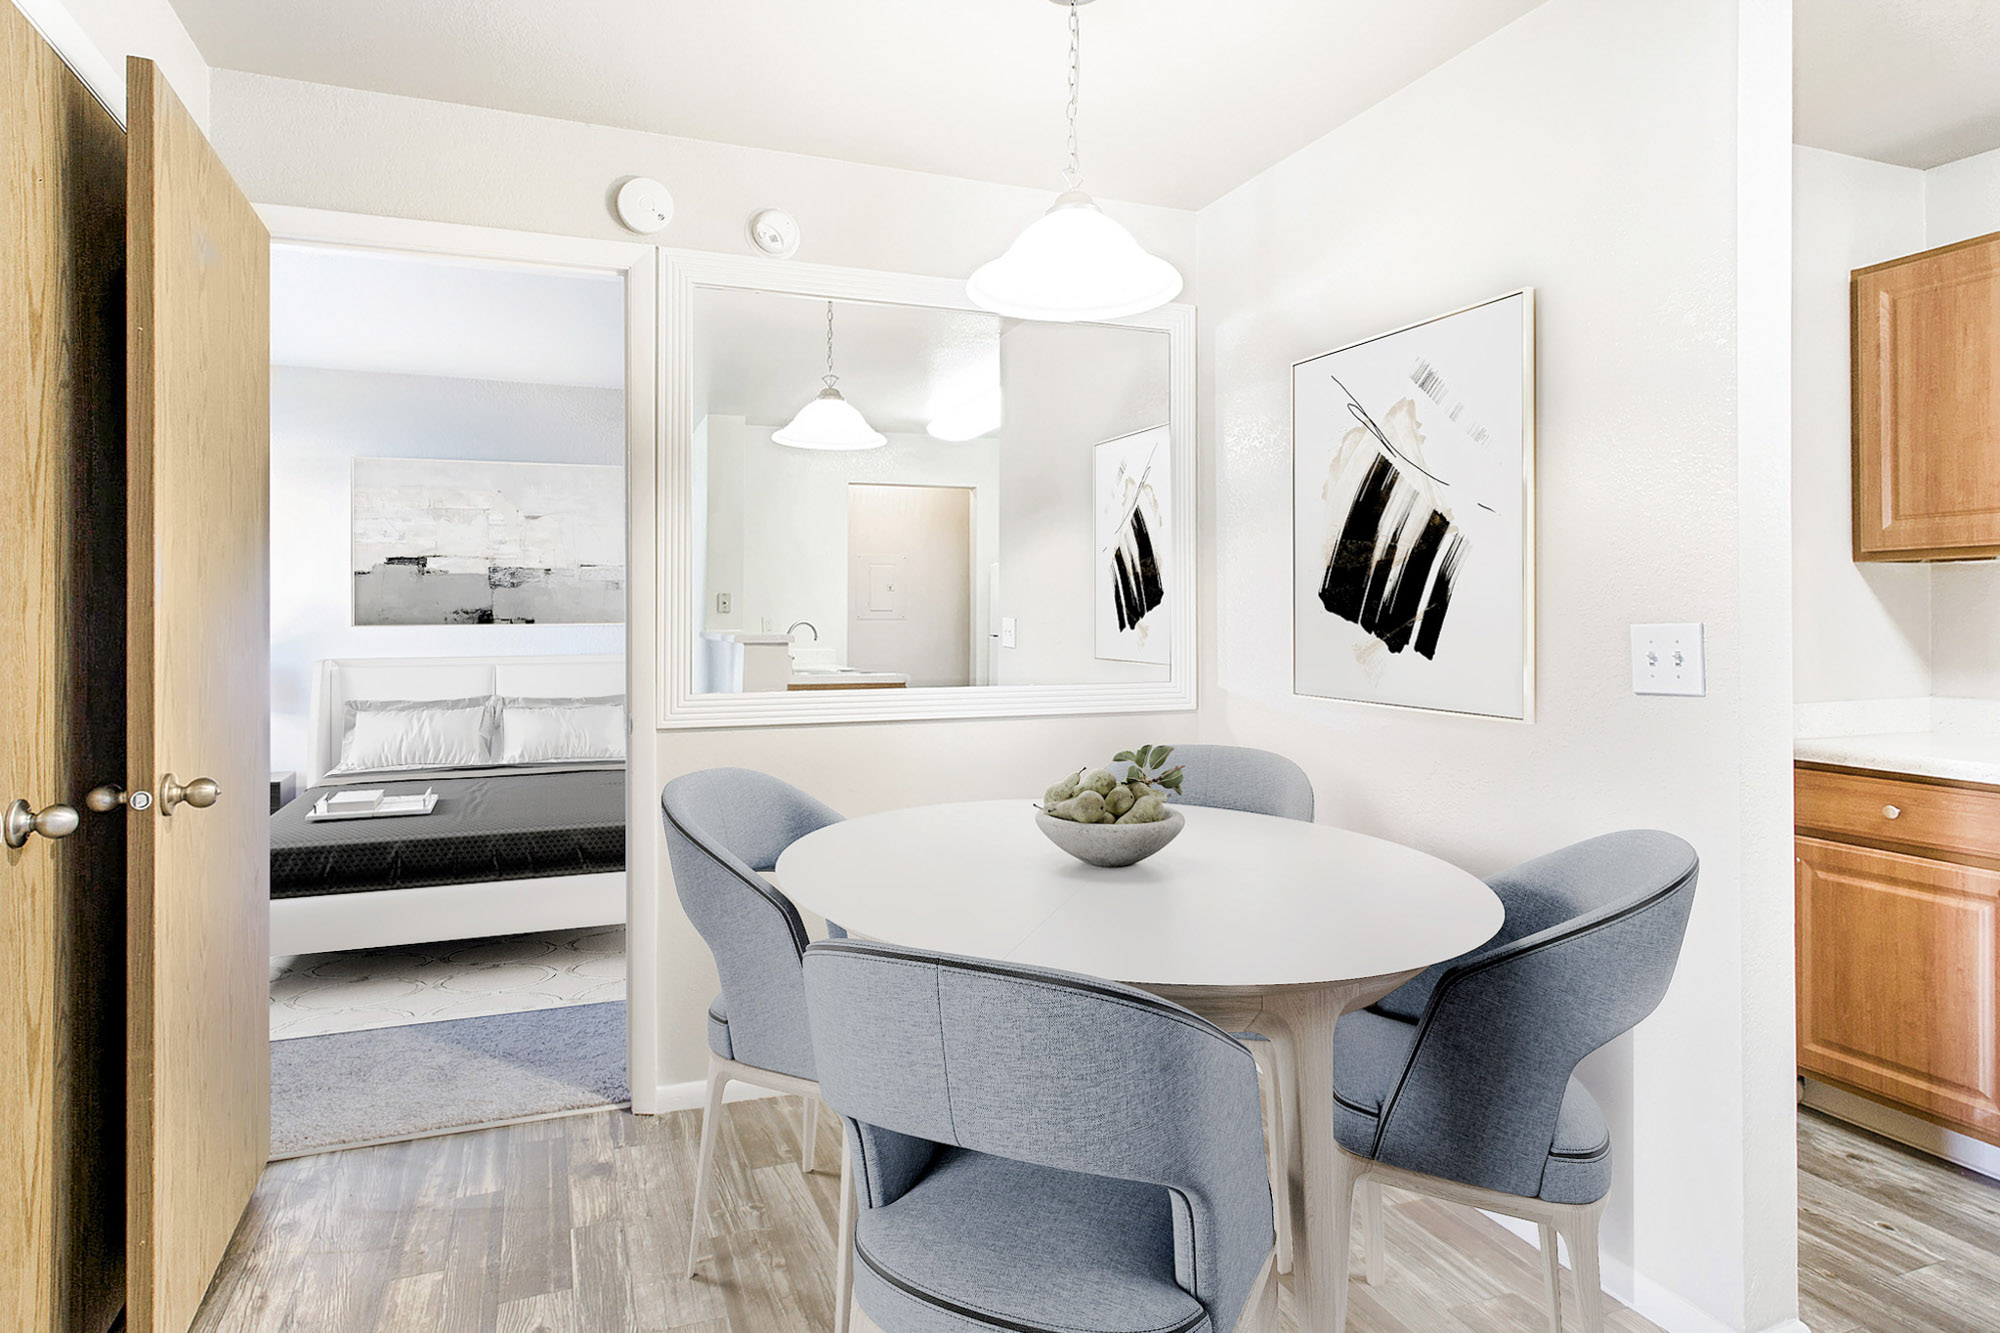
pixel 1891 812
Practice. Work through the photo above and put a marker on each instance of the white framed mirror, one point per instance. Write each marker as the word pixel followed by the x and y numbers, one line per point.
pixel 1021 541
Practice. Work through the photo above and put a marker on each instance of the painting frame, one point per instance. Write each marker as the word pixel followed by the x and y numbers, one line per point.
pixel 1148 639
pixel 1305 623
pixel 610 521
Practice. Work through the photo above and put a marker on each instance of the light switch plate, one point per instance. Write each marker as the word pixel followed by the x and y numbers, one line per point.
pixel 1006 631
pixel 722 603
pixel 1667 659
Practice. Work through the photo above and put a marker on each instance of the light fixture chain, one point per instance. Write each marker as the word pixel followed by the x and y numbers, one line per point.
pixel 1073 173
pixel 830 376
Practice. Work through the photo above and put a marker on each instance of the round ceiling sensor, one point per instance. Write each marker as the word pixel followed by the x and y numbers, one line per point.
pixel 775 232
pixel 644 205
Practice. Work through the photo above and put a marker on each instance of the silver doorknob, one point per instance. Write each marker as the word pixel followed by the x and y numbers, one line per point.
pixel 201 794
pixel 1891 812
pixel 110 796
pixel 51 821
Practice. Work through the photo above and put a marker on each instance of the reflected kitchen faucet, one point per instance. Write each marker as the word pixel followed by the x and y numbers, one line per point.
pixel 807 623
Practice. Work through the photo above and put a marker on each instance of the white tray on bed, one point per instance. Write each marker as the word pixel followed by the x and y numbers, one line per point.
pixel 392 807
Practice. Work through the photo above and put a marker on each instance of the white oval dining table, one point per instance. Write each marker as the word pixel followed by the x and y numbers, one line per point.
pixel 1255 922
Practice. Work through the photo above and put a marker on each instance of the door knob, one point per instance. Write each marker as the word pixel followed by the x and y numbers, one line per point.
pixel 110 796
pixel 51 821
pixel 200 793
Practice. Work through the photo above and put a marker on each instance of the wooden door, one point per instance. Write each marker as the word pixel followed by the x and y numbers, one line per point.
pixel 198 414
pixel 1926 352
pixel 1898 980
pixel 62 663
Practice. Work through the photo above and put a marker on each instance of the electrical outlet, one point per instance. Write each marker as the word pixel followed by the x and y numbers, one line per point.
pixel 1667 659
pixel 722 604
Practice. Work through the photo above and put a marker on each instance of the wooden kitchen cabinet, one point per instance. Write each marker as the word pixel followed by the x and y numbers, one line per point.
pixel 1926 386
pixel 1899 950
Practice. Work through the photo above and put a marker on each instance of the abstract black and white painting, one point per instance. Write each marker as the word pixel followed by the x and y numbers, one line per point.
pixel 1412 491
pixel 450 542
pixel 1133 548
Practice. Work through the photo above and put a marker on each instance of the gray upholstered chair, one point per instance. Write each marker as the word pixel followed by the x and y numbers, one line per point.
pixel 1038 1150
pixel 724 827
pixel 1235 777
pixel 1460 1084
pixel 1258 782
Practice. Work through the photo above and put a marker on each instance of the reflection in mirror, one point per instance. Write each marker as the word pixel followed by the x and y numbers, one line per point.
pixel 1012 530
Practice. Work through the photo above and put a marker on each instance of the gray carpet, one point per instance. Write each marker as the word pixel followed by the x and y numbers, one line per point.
pixel 351 1088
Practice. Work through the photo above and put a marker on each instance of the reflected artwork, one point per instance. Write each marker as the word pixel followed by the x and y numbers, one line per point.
pixel 1133 504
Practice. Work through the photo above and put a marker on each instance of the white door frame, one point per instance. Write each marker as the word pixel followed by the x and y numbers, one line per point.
pixel 639 265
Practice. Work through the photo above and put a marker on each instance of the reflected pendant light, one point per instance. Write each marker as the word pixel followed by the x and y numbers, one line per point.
pixel 830 421
pixel 1074 262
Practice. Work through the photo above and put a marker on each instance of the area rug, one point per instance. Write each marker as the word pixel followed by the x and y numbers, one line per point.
pixel 347 1089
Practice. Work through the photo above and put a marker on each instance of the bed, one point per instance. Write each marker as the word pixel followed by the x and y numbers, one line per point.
pixel 529 829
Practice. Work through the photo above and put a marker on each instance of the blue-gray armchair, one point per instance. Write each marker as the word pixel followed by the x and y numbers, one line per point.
pixel 1460 1084
pixel 725 826
pixel 1037 1150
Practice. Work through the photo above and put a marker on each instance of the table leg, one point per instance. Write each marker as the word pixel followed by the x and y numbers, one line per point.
pixel 1319 1294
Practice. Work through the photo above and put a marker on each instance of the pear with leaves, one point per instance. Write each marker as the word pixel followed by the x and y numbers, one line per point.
pixel 1100 796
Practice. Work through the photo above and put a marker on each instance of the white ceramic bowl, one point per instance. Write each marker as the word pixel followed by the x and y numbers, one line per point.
pixel 1111 844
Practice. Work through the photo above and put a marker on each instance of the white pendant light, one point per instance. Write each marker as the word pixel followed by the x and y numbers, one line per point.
pixel 830 421
pixel 1074 262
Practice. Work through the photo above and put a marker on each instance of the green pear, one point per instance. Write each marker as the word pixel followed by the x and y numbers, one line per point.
pixel 1059 793
pixel 1098 780
pixel 1148 809
pixel 1088 807
pixel 1119 800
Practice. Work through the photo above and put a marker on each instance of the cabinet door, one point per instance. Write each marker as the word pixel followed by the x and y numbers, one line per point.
pixel 1927 405
pixel 1897 980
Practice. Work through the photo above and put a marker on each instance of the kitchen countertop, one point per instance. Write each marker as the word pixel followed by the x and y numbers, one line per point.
pixel 1959 756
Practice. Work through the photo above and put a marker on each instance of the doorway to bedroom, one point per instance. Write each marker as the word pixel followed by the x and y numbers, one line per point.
pixel 448 685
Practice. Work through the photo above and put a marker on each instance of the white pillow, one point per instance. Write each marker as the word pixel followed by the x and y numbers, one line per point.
pixel 551 731
pixel 384 734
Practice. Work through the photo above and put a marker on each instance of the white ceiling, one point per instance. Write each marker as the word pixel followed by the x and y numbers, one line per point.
pixel 760 356
pixel 1914 82
pixel 1182 99
pixel 336 309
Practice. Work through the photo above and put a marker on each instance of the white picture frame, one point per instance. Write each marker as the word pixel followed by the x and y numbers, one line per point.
pixel 1413 511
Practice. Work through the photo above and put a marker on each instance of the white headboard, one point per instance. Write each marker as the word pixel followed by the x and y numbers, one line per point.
pixel 338 679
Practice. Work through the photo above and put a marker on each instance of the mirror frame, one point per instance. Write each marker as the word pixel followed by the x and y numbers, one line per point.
pixel 679 707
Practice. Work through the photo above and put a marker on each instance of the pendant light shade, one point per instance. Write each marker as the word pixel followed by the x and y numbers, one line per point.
pixel 829 421
pixel 1073 263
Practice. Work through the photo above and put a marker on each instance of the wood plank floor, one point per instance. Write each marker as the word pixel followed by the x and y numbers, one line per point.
pixel 1892 1241
pixel 578 1225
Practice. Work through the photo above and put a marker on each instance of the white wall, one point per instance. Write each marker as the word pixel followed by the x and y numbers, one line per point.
pixel 1590 150
pixel 321 420
pixel 340 148
pixel 1860 631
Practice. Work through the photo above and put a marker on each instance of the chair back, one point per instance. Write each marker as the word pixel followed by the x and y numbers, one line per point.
pixel 1592 939
pixel 1053 1069
pixel 724 825
pixel 1235 777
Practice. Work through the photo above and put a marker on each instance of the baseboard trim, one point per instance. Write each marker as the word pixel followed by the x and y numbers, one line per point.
pixel 1646 1297
pixel 1958 1149
pixel 690 1096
